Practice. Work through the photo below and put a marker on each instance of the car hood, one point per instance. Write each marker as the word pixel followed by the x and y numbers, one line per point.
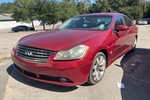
pixel 58 39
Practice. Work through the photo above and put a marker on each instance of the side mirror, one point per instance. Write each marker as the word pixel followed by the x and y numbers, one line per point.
pixel 122 28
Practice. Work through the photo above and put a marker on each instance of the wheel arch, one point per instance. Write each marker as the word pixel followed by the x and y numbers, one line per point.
pixel 136 37
pixel 106 54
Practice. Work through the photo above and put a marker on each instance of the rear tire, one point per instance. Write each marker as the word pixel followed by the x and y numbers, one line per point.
pixel 98 68
pixel 134 44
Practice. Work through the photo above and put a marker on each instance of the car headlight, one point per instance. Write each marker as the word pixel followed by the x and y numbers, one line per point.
pixel 73 53
pixel 14 48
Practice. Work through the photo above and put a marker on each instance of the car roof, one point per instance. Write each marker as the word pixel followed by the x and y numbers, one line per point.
pixel 104 14
pixel 21 26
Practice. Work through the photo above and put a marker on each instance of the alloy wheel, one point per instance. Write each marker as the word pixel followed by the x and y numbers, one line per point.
pixel 98 68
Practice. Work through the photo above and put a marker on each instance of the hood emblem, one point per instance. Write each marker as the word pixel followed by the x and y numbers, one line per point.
pixel 28 53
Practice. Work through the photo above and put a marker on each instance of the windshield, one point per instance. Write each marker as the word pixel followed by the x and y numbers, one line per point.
pixel 142 20
pixel 88 23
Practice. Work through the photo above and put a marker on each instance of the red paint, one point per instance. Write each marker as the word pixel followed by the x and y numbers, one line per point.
pixel 116 45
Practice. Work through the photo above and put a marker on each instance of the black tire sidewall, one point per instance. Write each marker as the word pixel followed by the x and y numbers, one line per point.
pixel 134 47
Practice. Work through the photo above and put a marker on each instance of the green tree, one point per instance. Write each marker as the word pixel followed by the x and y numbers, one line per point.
pixel 54 14
pixel 41 11
pixel 147 13
pixel 139 3
pixel 69 9
pixel 6 7
pixel 100 6
pixel 134 8
pixel 82 8
pixel 47 11
pixel 24 11
pixel 116 5
pixel 133 12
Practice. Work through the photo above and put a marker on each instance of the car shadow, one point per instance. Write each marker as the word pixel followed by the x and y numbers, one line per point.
pixel 37 30
pixel 24 31
pixel 136 76
pixel 50 87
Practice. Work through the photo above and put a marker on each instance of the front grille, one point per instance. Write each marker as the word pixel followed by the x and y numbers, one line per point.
pixel 33 54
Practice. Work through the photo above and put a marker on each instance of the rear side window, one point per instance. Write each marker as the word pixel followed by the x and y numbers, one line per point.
pixel 128 21
pixel 118 21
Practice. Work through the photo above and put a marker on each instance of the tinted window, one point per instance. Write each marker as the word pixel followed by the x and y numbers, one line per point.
pixel 143 19
pixel 24 26
pixel 128 21
pixel 118 21
pixel 88 23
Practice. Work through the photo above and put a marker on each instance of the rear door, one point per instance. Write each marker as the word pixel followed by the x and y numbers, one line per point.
pixel 129 36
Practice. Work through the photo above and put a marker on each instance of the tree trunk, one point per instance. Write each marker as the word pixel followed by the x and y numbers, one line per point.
pixel 32 24
pixel 43 25
pixel 53 26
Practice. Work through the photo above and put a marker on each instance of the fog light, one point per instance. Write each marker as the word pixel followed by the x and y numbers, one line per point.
pixel 63 79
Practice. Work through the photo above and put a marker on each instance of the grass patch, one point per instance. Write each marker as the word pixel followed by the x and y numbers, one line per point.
pixel 3 59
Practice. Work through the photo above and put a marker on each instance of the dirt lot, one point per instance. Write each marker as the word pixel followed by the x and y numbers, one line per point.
pixel 133 70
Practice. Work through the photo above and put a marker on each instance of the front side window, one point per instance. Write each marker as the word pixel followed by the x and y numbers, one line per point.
pixel 128 21
pixel 118 21
pixel 143 19
pixel 88 23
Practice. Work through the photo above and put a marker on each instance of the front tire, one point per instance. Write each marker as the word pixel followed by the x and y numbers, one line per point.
pixel 98 68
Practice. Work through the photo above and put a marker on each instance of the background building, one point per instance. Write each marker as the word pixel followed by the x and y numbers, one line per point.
pixel 6 21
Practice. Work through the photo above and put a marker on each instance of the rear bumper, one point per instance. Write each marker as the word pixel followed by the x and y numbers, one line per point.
pixel 142 23
pixel 52 71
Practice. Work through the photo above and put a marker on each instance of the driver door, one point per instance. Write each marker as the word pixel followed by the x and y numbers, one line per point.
pixel 119 38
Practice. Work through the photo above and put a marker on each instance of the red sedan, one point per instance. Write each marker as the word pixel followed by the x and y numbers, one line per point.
pixel 78 51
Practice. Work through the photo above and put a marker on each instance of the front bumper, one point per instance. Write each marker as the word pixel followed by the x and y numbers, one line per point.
pixel 52 72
